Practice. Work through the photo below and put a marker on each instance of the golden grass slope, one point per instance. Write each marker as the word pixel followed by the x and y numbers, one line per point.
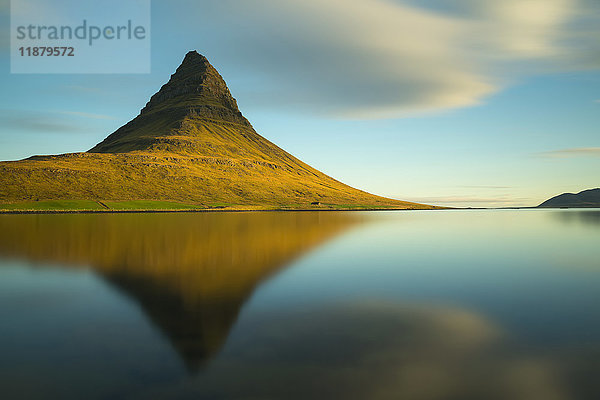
pixel 202 162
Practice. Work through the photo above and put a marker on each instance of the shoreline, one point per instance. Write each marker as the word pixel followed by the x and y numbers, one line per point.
pixel 208 210
pixel 233 210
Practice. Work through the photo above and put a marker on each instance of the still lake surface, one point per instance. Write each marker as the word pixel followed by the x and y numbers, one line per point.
pixel 301 305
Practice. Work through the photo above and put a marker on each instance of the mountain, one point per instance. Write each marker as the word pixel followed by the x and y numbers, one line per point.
pixel 586 199
pixel 190 144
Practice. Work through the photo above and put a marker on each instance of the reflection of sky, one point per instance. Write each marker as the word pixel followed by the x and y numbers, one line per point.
pixel 381 350
pixel 71 332
pixel 525 269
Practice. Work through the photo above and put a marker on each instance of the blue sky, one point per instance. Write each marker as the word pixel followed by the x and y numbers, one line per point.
pixel 459 102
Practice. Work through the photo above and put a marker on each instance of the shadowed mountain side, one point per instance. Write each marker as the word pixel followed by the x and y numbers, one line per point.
pixel 189 143
pixel 191 273
pixel 585 199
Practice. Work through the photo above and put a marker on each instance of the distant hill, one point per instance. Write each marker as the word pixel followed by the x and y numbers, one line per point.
pixel 191 144
pixel 586 199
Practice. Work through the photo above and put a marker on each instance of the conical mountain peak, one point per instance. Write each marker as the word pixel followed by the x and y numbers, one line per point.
pixel 195 95
pixel 195 78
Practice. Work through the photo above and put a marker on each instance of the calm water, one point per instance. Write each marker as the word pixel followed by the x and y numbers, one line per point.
pixel 292 305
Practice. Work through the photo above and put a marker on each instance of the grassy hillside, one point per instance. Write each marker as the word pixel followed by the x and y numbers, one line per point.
pixel 205 164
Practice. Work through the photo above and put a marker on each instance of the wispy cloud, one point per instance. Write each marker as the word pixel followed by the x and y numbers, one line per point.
pixel 471 201
pixel 19 121
pixel 391 58
pixel 575 152
pixel 86 115
pixel 485 187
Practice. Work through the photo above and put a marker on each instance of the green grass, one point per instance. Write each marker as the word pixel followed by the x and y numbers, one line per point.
pixel 220 205
pixel 149 205
pixel 77 205
pixel 53 205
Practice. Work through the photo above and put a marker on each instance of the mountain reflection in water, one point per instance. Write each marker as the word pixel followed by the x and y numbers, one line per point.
pixel 191 273
pixel 411 305
pixel 585 217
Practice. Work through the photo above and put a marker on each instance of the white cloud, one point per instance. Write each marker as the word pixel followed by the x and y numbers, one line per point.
pixel 384 58
pixel 528 28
